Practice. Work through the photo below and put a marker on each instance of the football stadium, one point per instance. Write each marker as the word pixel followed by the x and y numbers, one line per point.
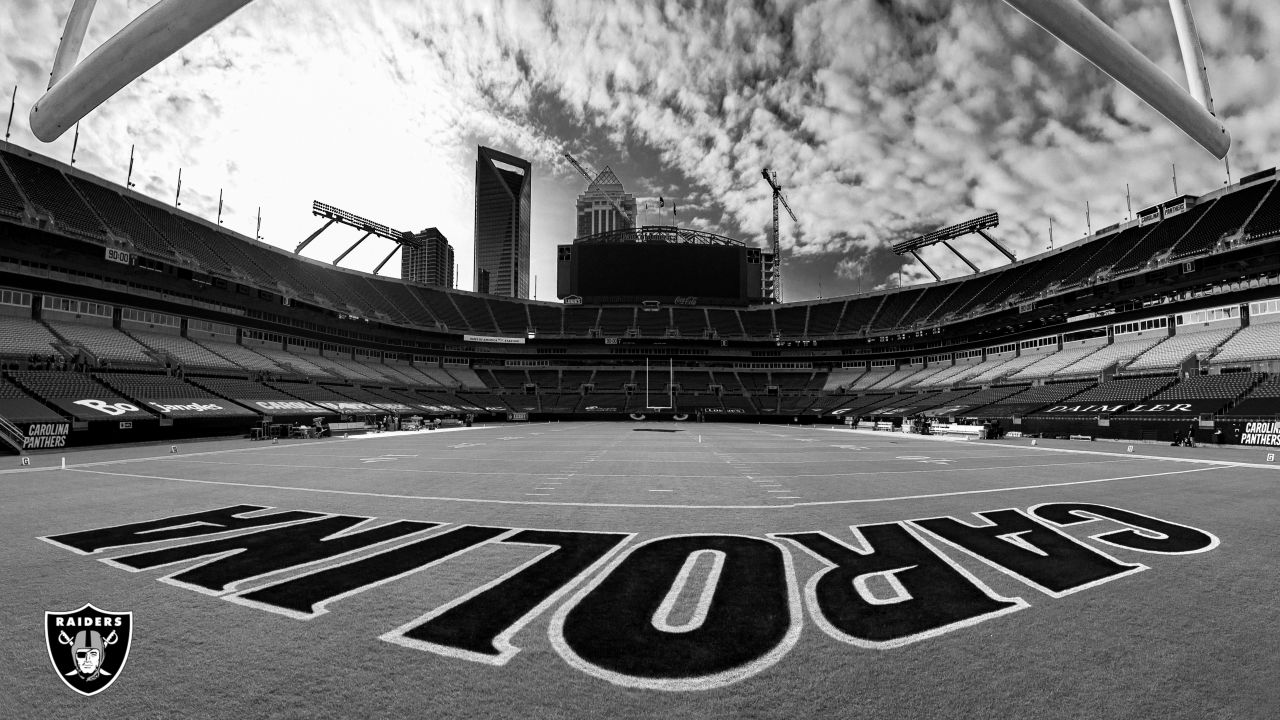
pixel 240 481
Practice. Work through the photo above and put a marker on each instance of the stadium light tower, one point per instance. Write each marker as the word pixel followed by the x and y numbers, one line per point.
pixel 370 227
pixel 778 197
pixel 943 236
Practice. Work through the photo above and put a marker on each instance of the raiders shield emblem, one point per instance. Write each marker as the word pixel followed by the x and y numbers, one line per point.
pixel 88 647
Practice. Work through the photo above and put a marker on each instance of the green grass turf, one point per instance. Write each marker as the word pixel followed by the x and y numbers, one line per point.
pixel 1193 636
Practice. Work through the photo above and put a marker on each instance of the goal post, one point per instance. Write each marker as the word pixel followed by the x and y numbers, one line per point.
pixel 160 31
pixel 1080 29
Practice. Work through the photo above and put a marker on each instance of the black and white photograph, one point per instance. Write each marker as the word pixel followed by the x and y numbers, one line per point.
pixel 673 359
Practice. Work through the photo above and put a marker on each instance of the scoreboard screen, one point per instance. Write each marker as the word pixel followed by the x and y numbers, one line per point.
pixel 629 272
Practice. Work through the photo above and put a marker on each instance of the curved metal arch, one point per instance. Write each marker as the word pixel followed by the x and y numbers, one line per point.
pixel 1074 25
pixel 160 31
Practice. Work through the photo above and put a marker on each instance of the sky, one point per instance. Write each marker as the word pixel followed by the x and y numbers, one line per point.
pixel 883 119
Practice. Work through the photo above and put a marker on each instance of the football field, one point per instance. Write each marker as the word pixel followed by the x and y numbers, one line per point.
pixel 672 570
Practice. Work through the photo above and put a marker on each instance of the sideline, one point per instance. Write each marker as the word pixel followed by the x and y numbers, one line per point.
pixel 1029 446
pixel 484 501
pixel 258 445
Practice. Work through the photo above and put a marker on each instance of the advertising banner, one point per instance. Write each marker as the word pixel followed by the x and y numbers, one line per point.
pixel 1178 407
pixel 283 406
pixel 494 339
pixel 1086 408
pixel 107 407
pixel 1157 408
pixel 350 407
pixel 1264 433
pixel 199 407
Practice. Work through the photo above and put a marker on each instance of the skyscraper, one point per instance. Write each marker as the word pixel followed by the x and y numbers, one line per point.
pixel 596 211
pixel 503 184
pixel 429 260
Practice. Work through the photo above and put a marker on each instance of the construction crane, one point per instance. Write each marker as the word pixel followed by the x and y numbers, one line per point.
pixel 591 178
pixel 778 197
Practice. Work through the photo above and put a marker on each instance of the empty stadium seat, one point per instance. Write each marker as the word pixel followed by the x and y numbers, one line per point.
pixel 841 378
pixel 1121 390
pixel 20 337
pixel 241 356
pixel 1256 342
pixel 141 388
pixel 1048 364
pixel 1218 389
pixel 870 377
pixel 104 342
pixel 1117 352
pixel 1031 399
pixel 1172 351
pixel 183 350
pixel 466 377
pixel 294 363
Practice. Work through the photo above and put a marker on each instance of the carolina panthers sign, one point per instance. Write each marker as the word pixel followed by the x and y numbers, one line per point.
pixel 674 612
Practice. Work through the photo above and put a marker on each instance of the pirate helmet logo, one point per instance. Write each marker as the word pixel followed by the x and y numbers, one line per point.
pixel 88 647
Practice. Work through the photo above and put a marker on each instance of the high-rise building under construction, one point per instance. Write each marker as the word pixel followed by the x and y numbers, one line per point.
pixel 597 211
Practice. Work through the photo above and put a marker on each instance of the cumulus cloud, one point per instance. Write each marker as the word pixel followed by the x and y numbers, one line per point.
pixel 883 118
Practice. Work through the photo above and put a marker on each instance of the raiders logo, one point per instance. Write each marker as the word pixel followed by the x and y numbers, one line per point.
pixel 88 647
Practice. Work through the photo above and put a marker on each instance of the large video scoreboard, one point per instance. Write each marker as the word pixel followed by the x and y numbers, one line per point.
pixel 635 271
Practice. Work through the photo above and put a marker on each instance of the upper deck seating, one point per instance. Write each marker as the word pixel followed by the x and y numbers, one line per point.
pixel 1266 220
pixel 48 191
